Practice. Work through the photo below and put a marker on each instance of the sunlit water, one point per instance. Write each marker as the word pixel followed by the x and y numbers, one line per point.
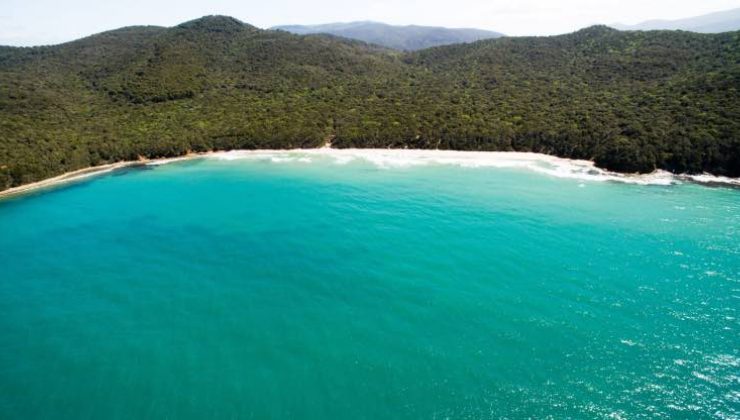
pixel 313 287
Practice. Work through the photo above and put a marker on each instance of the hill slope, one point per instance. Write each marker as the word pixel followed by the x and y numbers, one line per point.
pixel 405 38
pixel 725 21
pixel 633 101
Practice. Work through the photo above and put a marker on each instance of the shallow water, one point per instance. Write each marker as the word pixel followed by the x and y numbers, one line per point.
pixel 308 286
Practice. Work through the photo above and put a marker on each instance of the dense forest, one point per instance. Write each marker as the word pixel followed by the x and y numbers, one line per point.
pixel 631 101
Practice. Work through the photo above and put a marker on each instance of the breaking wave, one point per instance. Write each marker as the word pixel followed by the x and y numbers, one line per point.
pixel 545 164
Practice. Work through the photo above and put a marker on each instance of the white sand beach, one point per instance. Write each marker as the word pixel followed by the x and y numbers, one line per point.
pixel 396 158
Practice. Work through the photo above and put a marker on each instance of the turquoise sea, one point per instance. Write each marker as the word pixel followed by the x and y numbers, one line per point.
pixel 318 287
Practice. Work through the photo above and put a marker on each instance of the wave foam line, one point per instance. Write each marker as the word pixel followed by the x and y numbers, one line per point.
pixel 402 158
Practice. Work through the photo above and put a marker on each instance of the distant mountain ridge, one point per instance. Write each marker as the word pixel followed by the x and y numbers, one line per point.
pixel 405 38
pixel 724 21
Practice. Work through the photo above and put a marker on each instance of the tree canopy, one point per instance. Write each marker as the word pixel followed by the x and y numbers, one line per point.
pixel 631 101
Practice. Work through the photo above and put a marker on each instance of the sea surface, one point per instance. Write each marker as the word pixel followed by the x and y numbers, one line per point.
pixel 378 286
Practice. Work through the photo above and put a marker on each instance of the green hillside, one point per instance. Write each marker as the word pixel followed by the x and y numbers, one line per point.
pixel 632 101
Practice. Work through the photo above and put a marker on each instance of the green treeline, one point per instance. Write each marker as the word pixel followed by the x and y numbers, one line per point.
pixel 631 101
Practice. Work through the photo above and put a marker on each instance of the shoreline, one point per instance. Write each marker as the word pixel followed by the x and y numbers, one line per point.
pixel 85 173
pixel 382 157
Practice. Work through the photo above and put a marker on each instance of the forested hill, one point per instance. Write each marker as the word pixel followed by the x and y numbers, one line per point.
pixel 632 101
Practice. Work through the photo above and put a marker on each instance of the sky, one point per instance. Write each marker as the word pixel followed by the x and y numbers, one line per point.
pixel 39 22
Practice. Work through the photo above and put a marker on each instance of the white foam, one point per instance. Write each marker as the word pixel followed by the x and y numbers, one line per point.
pixel 403 158
pixel 712 179
pixel 279 159
pixel 232 155
pixel 167 161
pixel 705 378
pixel 725 360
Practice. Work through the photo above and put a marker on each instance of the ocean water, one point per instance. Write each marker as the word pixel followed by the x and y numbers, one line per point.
pixel 309 285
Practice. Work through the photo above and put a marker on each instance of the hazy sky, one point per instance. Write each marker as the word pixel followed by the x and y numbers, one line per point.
pixel 34 22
